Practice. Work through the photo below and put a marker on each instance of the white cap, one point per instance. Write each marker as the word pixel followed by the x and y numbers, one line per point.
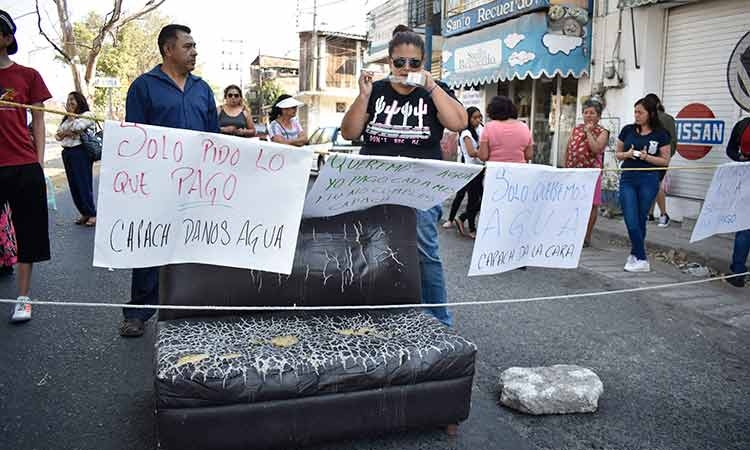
pixel 290 102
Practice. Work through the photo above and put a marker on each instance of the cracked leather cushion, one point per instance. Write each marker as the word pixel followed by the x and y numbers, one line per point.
pixel 361 258
pixel 283 356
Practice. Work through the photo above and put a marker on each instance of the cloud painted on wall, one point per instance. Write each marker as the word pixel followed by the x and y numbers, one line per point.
pixel 513 39
pixel 520 58
pixel 557 43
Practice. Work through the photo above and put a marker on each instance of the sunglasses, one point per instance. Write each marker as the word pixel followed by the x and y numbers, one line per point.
pixel 233 95
pixel 414 63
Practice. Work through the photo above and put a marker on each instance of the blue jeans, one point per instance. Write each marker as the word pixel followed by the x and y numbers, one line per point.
pixel 637 193
pixel 430 265
pixel 144 290
pixel 741 250
pixel 77 164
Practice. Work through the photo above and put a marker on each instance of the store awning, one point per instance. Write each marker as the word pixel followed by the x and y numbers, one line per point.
pixel 519 48
pixel 635 3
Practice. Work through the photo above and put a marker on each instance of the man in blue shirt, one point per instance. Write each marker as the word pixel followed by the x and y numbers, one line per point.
pixel 168 96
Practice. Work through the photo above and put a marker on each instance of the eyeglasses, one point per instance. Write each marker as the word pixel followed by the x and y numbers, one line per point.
pixel 414 63
pixel 233 95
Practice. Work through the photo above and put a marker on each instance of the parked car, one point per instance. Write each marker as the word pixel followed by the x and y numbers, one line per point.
pixel 329 139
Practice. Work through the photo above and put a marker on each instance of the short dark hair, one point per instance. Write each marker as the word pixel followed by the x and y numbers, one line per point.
pixel 275 110
pixel 403 35
pixel 501 108
pixel 168 35
pixel 655 98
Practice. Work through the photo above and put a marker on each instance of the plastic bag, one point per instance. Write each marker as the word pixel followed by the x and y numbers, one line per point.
pixel 51 202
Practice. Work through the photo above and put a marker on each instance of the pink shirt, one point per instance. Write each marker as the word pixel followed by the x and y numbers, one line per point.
pixel 507 140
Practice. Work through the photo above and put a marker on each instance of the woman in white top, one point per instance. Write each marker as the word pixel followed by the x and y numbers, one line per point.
pixel 284 127
pixel 76 158
pixel 468 143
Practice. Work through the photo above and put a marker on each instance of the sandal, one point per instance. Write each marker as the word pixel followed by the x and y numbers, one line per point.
pixel 132 328
pixel 91 222
pixel 81 220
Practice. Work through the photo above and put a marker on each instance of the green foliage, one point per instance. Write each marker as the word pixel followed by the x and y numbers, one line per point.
pixel 131 51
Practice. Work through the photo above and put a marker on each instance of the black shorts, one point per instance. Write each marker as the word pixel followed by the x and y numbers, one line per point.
pixel 23 187
pixel 662 174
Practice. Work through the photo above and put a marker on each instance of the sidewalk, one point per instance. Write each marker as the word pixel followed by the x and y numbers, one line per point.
pixel 714 252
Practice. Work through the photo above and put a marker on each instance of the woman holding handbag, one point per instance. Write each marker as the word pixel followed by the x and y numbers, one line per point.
pixel 77 159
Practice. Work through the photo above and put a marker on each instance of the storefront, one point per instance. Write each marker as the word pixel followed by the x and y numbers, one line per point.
pixel 535 59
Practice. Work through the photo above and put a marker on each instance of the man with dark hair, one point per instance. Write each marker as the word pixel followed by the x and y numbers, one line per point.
pixel 668 123
pixel 21 159
pixel 168 96
pixel 738 149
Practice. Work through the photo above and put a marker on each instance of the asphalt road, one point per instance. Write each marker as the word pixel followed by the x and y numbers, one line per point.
pixel 672 379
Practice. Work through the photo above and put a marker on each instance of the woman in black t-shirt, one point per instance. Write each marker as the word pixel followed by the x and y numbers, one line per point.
pixel 405 115
pixel 645 145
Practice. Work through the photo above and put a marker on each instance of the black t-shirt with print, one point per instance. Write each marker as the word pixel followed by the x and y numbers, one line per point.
pixel 403 125
pixel 649 143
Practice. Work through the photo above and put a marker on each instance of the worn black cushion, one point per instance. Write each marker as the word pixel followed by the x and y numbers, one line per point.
pixel 277 356
pixel 360 258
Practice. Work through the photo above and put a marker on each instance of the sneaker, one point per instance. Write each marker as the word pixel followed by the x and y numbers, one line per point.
pixel 630 261
pixel 651 218
pixel 663 221
pixel 21 310
pixel 640 265
pixel 448 224
pixel 737 281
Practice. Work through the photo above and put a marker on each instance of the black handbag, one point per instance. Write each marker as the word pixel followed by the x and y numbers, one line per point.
pixel 92 141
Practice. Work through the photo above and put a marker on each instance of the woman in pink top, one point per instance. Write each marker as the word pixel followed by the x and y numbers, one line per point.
pixel 505 139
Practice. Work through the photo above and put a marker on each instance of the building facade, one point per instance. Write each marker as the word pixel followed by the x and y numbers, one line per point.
pixel 534 51
pixel 266 71
pixel 328 83
pixel 694 55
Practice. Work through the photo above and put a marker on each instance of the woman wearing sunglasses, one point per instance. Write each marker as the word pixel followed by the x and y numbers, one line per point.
pixel 234 116
pixel 405 115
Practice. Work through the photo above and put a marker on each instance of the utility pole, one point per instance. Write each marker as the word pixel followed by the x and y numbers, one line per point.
pixel 314 40
pixel 428 35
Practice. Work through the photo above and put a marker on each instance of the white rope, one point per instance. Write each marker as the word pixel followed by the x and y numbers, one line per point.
pixel 369 307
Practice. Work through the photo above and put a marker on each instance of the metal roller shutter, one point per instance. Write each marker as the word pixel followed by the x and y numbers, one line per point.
pixel 700 38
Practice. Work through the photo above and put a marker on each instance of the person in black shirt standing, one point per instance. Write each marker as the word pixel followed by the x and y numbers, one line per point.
pixel 405 115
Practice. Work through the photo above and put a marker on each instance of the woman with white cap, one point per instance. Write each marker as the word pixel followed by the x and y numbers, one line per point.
pixel 285 127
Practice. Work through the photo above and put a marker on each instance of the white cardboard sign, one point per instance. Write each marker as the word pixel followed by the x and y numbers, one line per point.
pixel 727 205
pixel 532 215
pixel 177 196
pixel 353 182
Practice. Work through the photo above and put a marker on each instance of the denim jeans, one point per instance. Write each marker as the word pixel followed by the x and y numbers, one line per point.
pixel 637 193
pixel 77 164
pixel 144 290
pixel 430 264
pixel 741 250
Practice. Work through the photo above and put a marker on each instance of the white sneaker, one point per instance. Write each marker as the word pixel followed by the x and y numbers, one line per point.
pixel 630 261
pixel 640 265
pixel 448 224
pixel 663 221
pixel 21 310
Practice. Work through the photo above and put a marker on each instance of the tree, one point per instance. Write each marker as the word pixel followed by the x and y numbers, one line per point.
pixel 270 92
pixel 129 52
pixel 71 49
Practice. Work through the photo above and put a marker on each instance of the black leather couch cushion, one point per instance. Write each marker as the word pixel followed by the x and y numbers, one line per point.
pixel 276 356
pixel 360 258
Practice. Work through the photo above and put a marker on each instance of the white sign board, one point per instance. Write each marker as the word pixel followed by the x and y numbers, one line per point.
pixel 532 215
pixel 178 196
pixel 353 182
pixel 725 209
pixel 106 82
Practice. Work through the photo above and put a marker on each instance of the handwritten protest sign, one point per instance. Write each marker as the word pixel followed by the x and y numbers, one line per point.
pixel 353 182
pixel 178 196
pixel 532 215
pixel 727 205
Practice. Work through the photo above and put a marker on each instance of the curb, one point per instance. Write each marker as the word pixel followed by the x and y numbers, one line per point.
pixel 721 264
